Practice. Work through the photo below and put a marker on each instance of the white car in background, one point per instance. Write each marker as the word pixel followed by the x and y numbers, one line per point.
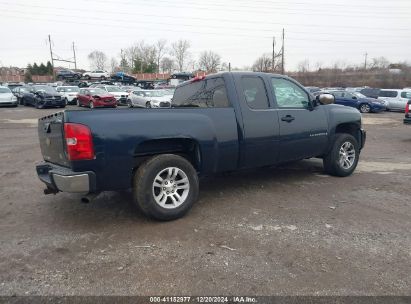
pixel 120 95
pixel 7 98
pixel 100 74
pixel 69 93
pixel 149 99
pixel 395 99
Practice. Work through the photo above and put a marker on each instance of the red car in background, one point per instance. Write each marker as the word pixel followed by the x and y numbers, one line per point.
pixel 95 98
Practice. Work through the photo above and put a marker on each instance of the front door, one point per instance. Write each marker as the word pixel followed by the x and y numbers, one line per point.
pixel 303 129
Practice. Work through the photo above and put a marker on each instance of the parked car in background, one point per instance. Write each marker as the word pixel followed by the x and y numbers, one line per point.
pixel 149 99
pixel 123 78
pixel 407 119
pixel 69 93
pixel 395 99
pixel 95 98
pixel 67 74
pixel 43 96
pixel 100 74
pixel 19 92
pixel 182 75
pixel 370 92
pixel 12 85
pixel 7 98
pixel 120 95
pixel 129 89
pixel 358 101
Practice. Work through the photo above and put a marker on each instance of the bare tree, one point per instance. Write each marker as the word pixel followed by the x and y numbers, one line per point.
pixel 209 61
pixel 167 65
pixel 180 53
pixel 304 66
pixel 380 63
pixel 114 65
pixel 142 57
pixel 160 49
pixel 263 63
pixel 98 60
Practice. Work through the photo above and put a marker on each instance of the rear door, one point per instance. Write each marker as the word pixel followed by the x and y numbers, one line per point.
pixel 303 129
pixel 260 142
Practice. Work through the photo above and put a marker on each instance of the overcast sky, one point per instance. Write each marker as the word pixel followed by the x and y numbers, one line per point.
pixel 320 31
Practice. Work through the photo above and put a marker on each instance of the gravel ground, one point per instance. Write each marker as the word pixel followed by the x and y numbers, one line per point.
pixel 290 230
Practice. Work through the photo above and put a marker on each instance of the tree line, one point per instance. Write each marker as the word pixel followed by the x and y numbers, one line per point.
pixel 157 57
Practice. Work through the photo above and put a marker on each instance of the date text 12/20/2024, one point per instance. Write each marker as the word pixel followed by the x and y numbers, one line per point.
pixel 203 299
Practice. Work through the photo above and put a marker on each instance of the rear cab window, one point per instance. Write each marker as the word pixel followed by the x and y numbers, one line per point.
pixel 207 93
pixel 255 93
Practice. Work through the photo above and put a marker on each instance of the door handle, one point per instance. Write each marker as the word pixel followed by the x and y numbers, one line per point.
pixel 287 118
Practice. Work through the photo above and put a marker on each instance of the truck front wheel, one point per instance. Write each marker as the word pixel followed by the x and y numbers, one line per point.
pixel 165 187
pixel 343 156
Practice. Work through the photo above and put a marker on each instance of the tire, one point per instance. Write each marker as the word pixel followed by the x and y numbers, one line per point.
pixel 66 100
pixel 365 108
pixel 78 103
pixel 103 77
pixel 23 102
pixel 91 105
pixel 88 77
pixel 334 163
pixel 36 105
pixel 129 104
pixel 149 198
pixel 148 104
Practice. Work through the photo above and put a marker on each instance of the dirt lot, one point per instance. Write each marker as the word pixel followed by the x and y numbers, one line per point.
pixel 276 231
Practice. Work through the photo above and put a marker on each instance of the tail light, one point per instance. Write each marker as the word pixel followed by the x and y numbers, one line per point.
pixel 407 108
pixel 79 142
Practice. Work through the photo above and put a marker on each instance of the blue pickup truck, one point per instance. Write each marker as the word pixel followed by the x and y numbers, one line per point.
pixel 223 122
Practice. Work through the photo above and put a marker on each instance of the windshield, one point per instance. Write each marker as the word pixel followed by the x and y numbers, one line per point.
pixel 359 95
pixel 154 94
pixel 72 89
pixel 114 89
pixel 97 91
pixel 5 90
pixel 45 88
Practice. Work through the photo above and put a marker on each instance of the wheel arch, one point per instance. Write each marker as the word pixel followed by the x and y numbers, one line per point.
pixel 349 128
pixel 188 148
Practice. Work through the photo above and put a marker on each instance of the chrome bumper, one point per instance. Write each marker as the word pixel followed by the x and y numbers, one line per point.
pixel 62 179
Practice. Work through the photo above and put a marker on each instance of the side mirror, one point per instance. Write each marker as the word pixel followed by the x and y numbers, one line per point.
pixel 325 99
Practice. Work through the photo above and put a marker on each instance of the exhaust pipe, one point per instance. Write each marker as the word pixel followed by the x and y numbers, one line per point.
pixel 89 197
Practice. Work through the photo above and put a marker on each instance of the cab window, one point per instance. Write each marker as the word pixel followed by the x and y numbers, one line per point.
pixel 254 92
pixel 288 94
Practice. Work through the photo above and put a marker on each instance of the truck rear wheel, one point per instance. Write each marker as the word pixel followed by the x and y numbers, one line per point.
pixel 343 156
pixel 165 187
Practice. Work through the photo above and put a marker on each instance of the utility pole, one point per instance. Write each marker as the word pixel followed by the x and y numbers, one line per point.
pixel 51 55
pixel 365 61
pixel 282 56
pixel 229 66
pixel 74 53
pixel 273 59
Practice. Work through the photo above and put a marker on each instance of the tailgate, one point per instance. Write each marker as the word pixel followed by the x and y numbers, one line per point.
pixel 50 130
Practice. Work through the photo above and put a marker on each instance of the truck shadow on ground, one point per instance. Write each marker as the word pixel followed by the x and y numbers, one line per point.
pixel 113 208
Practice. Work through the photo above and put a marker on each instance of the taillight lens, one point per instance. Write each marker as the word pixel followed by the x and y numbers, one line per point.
pixel 79 142
pixel 407 108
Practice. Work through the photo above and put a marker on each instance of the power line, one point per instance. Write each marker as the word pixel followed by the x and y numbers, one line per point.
pixel 197 18
pixel 185 6
pixel 182 31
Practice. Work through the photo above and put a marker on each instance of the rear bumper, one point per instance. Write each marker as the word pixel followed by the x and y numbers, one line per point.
pixel 63 179
pixel 407 120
